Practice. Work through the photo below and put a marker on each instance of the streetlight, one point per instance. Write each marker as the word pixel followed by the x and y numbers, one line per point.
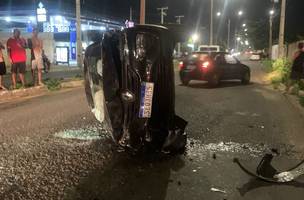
pixel 7 19
pixel 194 37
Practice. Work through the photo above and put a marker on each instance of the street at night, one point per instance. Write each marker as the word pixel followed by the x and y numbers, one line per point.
pixel 39 160
pixel 151 100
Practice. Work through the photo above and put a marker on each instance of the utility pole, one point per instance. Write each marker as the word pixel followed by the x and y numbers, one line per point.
pixel 163 13
pixel 78 32
pixel 131 14
pixel 142 12
pixel 229 30
pixel 179 21
pixel 211 23
pixel 179 18
pixel 270 33
pixel 282 30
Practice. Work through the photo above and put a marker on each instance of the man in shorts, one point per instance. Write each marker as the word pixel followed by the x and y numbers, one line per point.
pixel 2 67
pixel 37 60
pixel 17 56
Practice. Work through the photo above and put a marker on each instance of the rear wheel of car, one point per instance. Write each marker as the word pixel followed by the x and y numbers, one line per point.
pixel 246 78
pixel 185 81
pixel 214 80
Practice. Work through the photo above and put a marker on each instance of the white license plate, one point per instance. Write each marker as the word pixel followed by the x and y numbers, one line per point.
pixel 191 67
pixel 146 99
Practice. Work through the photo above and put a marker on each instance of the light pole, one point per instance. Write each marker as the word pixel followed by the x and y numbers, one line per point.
pixel 282 29
pixel 271 13
pixel 142 19
pixel 78 33
pixel 229 30
pixel 163 13
pixel 211 22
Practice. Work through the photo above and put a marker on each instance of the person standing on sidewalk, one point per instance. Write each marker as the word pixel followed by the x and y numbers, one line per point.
pixel 37 59
pixel 2 67
pixel 297 71
pixel 17 56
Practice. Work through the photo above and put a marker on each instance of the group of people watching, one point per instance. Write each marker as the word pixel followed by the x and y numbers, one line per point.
pixel 16 50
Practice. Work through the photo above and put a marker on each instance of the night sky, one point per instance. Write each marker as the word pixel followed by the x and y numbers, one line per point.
pixel 196 11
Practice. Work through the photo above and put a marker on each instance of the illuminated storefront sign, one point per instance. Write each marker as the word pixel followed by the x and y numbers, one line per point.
pixel 55 28
pixel 41 13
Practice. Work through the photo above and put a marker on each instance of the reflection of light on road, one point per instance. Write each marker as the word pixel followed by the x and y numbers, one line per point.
pixel 197 149
pixel 90 133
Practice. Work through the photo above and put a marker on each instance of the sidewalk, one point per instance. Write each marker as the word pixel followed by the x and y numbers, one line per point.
pixel 69 77
pixel 56 72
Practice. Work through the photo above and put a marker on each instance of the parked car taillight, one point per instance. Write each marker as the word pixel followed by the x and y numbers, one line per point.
pixel 181 65
pixel 205 64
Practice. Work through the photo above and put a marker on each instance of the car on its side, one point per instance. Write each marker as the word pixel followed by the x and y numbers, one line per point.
pixel 213 67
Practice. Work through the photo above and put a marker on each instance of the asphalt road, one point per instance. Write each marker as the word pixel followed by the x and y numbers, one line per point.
pixel 39 160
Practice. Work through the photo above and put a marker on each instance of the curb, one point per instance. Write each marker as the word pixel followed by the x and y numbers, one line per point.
pixel 21 93
pixel 72 84
pixel 6 96
pixel 292 99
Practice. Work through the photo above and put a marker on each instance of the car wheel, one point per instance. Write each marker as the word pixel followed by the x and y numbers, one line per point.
pixel 214 80
pixel 185 81
pixel 246 78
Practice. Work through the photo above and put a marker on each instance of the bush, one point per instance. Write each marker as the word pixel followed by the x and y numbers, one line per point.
pixel 53 84
pixel 283 66
pixel 301 101
pixel 267 65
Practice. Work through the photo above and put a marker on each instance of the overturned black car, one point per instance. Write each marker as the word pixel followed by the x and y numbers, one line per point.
pixel 129 83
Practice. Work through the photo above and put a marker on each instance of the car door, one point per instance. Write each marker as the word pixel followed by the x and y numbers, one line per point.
pixel 232 68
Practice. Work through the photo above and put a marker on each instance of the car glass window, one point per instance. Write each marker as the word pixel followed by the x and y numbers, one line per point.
pixel 230 59
pixel 219 59
pixel 197 56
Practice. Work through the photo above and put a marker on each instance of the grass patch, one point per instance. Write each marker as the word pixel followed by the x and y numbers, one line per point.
pixel 53 84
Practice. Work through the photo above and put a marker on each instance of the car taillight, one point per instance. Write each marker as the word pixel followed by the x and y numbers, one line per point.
pixel 181 65
pixel 205 64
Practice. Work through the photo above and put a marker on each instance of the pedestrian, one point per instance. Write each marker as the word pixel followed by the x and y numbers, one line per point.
pixel 37 56
pixel 16 46
pixel 297 70
pixel 2 67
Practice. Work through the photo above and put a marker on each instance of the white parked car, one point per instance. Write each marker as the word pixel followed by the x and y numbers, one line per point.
pixel 255 57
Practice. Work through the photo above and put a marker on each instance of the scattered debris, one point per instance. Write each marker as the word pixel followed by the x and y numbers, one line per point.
pixel 218 190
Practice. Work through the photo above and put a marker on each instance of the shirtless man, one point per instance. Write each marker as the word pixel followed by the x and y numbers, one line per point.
pixel 37 61
pixel 2 67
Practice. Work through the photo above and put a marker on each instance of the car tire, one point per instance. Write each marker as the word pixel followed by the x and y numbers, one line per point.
pixel 185 81
pixel 246 78
pixel 214 80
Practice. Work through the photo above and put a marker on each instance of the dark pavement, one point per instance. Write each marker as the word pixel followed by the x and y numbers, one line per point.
pixel 39 160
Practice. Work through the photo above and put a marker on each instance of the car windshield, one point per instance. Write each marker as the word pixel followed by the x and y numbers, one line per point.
pixel 198 56
pixel 208 49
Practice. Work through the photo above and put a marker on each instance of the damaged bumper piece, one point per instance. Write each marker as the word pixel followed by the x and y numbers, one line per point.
pixel 129 83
